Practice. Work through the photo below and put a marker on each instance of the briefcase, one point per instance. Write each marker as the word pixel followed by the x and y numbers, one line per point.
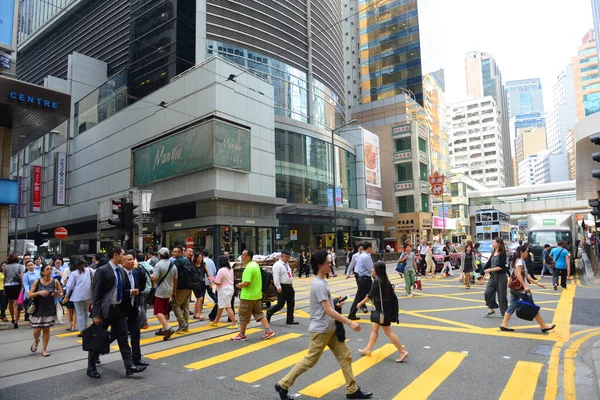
pixel 527 309
pixel 96 339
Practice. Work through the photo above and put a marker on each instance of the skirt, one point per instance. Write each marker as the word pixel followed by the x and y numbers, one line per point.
pixel 225 294
pixel 42 322
pixel 12 292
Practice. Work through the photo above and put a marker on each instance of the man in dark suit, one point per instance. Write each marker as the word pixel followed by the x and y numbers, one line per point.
pixel 131 305
pixel 109 286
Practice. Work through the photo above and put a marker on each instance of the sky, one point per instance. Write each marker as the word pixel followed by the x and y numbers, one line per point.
pixel 528 38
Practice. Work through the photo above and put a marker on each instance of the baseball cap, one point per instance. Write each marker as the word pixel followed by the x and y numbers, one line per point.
pixel 164 251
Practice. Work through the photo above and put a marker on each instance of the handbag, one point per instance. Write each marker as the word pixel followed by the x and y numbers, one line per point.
pixel 514 283
pixel 378 317
pixel 150 297
pixel 526 308
pixel 20 298
pixel 32 307
pixel 96 339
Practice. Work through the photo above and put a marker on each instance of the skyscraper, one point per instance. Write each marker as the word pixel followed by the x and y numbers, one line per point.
pixel 524 96
pixel 483 78
pixel 586 77
pixel 562 117
pixel 596 18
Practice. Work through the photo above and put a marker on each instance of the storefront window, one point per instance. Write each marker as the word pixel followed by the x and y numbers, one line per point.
pixel 265 241
pixel 247 239
pixel 203 238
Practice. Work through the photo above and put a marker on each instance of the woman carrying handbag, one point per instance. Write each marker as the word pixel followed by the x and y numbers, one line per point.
pixel 519 290
pixel 386 311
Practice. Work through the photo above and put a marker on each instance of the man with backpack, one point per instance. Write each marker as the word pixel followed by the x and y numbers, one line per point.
pixel 187 279
pixel 251 297
pixel 164 276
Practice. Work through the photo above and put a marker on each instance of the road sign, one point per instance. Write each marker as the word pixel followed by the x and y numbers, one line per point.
pixel 189 242
pixel 293 235
pixel 60 233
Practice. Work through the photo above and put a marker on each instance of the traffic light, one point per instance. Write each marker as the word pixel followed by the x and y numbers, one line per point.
pixel 39 236
pixel 226 232
pixel 128 216
pixel 156 238
pixel 119 221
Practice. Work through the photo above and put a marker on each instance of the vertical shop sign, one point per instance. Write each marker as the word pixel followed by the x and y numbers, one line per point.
pixel 36 189
pixel 372 170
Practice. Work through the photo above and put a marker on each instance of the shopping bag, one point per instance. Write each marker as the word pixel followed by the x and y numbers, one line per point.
pixel 20 298
pixel 527 309
pixel 96 339
pixel 418 285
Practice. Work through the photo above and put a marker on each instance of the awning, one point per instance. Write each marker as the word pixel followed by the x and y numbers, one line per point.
pixel 30 110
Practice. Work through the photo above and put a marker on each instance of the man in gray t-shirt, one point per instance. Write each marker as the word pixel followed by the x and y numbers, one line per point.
pixel 323 333
pixel 165 290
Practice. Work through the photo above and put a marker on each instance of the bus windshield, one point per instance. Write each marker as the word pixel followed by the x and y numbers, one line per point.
pixel 485 247
pixel 540 238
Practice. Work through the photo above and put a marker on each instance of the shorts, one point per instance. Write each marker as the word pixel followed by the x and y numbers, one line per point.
pixel 225 294
pixel 70 305
pixel 161 306
pixel 249 308
pixel 12 292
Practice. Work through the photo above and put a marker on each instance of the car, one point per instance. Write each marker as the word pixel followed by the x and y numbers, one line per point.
pixel 486 250
pixel 439 254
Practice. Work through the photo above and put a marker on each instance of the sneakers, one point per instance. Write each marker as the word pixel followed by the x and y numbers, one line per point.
pixel 182 329
pixel 212 323
pixel 283 393
pixel 233 327
pixel 168 334
pixel 359 394
pixel 353 318
pixel 160 332
pixel 410 295
pixel 268 335
pixel 239 338
pixel 145 326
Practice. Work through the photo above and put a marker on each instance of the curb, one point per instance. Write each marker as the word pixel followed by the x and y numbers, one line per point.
pixel 596 357
pixel 4 326
pixel 588 272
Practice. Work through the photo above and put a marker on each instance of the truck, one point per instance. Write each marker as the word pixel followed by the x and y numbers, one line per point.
pixel 545 229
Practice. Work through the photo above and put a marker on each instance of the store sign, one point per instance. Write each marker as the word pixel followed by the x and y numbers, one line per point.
pixel 33 100
pixel 372 170
pixel 293 235
pixel 403 185
pixel 402 155
pixel 401 129
pixel 4 60
pixel 444 223
pixel 211 144
pixel 36 189
pixel 60 179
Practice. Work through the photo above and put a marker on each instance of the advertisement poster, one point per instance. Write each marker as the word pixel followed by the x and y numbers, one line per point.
pixel 60 179
pixel 338 197
pixel 372 170
pixel 7 18
pixel 36 189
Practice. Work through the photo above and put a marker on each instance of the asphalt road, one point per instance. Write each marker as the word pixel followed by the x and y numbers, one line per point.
pixel 455 353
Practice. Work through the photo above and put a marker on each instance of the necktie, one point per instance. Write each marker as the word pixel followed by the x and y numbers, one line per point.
pixel 132 285
pixel 119 285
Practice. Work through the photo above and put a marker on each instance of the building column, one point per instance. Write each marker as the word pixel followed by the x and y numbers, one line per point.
pixel 5 147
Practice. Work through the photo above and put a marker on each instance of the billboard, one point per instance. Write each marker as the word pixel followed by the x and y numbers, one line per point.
pixel 60 179
pixel 372 170
pixel 9 190
pixel 7 20
pixel 36 189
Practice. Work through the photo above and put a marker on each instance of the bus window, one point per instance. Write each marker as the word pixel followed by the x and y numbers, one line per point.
pixel 495 216
pixel 477 217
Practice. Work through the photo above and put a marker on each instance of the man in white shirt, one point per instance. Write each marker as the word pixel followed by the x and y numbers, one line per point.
pixel 282 278
pixel 422 249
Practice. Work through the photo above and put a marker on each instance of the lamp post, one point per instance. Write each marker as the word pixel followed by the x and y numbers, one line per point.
pixel 335 227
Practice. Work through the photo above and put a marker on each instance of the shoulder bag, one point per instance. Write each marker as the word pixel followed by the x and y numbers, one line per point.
pixel 150 298
pixel 514 283
pixel 378 317
pixel 33 305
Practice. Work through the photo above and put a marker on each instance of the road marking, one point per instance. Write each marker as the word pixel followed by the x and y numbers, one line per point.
pixel 240 352
pixel 418 294
pixel 522 381
pixel 150 328
pixel 301 314
pixel 569 365
pixel 434 376
pixel 274 367
pixel 336 380
pixel 193 346
pixel 449 309
pixel 442 320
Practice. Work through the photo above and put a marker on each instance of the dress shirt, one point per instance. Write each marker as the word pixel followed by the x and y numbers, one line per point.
pixel 79 285
pixel 282 274
pixel 364 264
pixel 28 279
pixel 352 266
pixel 116 271
pixel 211 268
pixel 132 283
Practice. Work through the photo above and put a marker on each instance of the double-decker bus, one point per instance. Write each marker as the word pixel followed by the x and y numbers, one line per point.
pixel 490 224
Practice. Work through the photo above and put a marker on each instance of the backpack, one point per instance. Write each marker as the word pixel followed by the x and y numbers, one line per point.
pixel 267 277
pixel 188 276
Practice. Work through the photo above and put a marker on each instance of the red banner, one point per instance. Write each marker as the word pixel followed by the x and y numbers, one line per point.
pixel 36 193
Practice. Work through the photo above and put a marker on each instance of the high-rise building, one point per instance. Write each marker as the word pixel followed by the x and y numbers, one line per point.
pixel 476 146
pixel 586 77
pixel 596 18
pixel 531 135
pixel 543 167
pixel 483 78
pixel 524 96
pixel 570 150
pixel 399 55
pixel 562 117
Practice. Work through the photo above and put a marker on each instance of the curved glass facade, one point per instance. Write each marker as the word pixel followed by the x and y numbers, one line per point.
pixel 304 174
pixel 290 83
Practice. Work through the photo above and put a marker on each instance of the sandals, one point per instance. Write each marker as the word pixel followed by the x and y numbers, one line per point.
pixel 46 355
pixel 34 346
pixel 402 358
pixel 364 353
pixel 201 317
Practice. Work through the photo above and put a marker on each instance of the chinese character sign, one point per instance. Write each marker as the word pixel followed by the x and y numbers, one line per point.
pixel 436 181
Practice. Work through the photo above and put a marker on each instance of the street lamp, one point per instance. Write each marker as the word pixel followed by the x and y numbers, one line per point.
pixel 335 227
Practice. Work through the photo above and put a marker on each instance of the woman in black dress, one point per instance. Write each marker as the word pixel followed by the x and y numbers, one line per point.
pixel 43 292
pixel 383 297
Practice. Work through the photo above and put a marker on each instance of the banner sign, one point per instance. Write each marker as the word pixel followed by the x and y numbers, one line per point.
pixel 338 197
pixel 211 144
pixel 19 196
pixel 372 170
pixel 36 189
pixel 60 179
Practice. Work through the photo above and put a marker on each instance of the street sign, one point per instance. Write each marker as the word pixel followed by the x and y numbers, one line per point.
pixel 293 235
pixel 60 233
pixel 189 242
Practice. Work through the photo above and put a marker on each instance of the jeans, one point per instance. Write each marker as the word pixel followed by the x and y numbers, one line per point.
pixel 514 301
pixel 563 277
pixel 409 279
pixel 340 350
pixel 497 285
pixel 143 318
pixel 547 268
pixel 81 310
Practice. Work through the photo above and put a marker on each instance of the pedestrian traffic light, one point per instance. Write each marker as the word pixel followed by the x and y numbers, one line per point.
pixel 119 221
pixel 156 238
pixel 128 216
